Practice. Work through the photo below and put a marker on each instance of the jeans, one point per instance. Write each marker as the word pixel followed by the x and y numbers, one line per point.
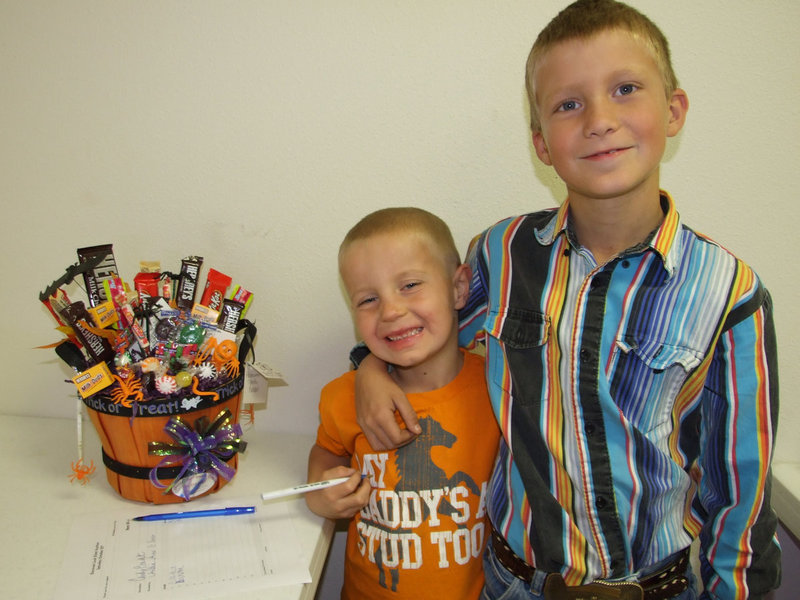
pixel 502 585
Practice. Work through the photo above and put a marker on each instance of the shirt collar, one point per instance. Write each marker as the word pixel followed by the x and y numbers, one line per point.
pixel 664 239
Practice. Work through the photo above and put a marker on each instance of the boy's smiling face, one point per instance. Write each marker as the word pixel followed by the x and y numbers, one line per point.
pixel 605 116
pixel 404 300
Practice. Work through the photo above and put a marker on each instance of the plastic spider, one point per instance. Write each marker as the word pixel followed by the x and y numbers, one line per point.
pixel 222 356
pixel 127 392
pixel 248 414
pixel 205 351
pixel 225 359
pixel 82 472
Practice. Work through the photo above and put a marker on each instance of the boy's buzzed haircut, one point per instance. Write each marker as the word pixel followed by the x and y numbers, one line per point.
pixel 406 219
pixel 585 18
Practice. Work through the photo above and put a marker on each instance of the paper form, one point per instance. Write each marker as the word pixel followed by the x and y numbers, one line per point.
pixel 110 556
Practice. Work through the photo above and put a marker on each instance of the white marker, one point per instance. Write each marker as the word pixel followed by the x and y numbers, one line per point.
pixel 303 488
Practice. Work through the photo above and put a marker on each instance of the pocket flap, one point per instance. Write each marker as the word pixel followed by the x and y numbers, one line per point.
pixel 659 356
pixel 519 328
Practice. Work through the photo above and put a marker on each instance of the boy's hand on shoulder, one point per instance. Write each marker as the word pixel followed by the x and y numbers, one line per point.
pixel 339 501
pixel 377 399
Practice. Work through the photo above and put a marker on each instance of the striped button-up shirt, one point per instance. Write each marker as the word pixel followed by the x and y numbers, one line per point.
pixel 637 399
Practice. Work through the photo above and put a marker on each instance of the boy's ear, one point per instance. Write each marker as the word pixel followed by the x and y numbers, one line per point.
pixel 461 285
pixel 678 107
pixel 541 148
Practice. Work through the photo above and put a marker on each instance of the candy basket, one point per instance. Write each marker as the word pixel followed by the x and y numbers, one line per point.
pixel 161 375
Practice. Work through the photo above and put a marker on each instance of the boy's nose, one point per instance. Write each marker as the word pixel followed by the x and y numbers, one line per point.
pixel 392 308
pixel 600 118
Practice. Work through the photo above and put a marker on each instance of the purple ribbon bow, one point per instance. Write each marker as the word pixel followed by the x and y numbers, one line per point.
pixel 203 451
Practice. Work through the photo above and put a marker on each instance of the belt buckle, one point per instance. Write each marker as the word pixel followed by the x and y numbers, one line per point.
pixel 555 588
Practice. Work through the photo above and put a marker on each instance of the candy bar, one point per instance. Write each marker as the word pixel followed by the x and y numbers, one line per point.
pixel 205 314
pixel 147 284
pixel 242 296
pixel 94 278
pixel 93 380
pixel 56 303
pixel 104 315
pixel 229 315
pixel 216 285
pixel 149 266
pixel 77 317
pixel 187 284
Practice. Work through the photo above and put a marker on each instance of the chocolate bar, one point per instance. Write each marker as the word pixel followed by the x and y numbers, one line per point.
pixel 94 277
pixel 96 346
pixel 229 315
pixel 187 284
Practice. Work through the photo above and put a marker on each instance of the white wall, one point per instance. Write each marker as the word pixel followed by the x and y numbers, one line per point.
pixel 254 133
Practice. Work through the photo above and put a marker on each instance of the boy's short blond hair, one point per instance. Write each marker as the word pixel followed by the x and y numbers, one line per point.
pixel 585 18
pixel 406 219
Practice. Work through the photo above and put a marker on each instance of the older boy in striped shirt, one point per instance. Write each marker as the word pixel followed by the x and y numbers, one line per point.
pixel 631 361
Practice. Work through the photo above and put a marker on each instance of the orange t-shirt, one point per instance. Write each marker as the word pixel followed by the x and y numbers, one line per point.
pixel 424 529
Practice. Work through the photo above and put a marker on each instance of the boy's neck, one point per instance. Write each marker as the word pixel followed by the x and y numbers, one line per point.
pixel 607 227
pixel 431 375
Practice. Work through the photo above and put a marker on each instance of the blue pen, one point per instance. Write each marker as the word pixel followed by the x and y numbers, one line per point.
pixel 191 514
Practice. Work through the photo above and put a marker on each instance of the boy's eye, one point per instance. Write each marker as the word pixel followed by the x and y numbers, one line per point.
pixel 627 88
pixel 411 285
pixel 366 301
pixel 567 106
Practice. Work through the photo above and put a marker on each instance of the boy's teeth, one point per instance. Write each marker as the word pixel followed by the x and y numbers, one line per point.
pixel 408 333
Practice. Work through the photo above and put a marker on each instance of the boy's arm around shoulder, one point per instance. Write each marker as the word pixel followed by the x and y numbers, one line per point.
pixel 377 399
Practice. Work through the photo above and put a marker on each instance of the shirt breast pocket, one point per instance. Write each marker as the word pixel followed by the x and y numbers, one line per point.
pixel 655 372
pixel 515 339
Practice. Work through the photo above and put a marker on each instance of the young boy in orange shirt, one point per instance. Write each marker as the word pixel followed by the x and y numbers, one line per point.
pixel 418 526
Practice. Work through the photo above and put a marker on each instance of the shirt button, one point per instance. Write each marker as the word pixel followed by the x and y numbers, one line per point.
pixel 589 429
pixel 585 355
pixel 600 503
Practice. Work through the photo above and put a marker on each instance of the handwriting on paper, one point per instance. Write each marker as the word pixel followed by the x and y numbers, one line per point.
pixel 144 566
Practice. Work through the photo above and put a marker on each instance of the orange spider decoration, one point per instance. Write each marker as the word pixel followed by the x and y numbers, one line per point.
pixel 81 471
pixel 225 359
pixel 224 356
pixel 205 351
pixel 248 414
pixel 127 391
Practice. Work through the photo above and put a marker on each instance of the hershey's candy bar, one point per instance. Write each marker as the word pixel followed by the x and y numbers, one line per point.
pixel 78 318
pixel 104 270
pixel 187 284
pixel 229 315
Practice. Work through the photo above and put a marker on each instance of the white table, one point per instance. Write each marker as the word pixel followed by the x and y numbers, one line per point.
pixel 38 502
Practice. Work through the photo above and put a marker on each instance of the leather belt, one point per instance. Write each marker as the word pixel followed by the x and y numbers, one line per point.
pixel 667 582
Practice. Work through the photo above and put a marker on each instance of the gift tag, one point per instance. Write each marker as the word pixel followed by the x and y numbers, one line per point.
pixel 274 377
pixel 256 386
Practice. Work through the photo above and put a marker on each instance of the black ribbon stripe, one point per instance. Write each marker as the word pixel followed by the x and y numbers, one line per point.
pixel 142 472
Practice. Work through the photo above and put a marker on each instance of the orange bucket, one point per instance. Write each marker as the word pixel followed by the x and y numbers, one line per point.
pixel 167 450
